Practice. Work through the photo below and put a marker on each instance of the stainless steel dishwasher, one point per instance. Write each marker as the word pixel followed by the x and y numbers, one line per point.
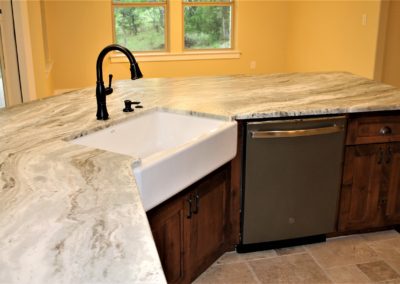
pixel 291 182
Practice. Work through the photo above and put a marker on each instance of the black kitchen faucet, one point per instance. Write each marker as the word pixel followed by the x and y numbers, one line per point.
pixel 101 91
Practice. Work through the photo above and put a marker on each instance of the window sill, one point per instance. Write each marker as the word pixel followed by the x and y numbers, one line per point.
pixel 182 56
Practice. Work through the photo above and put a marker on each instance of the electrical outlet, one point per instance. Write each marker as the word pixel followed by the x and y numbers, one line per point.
pixel 253 64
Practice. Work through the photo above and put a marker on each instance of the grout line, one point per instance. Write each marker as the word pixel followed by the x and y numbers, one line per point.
pixel 271 257
pixel 362 272
pixel 381 256
pixel 378 258
pixel 387 262
pixel 320 266
pixel 240 259
pixel 253 273
pixel 293 253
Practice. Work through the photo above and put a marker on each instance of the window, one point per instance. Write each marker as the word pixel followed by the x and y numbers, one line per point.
pixel 207 24
pixel 141 25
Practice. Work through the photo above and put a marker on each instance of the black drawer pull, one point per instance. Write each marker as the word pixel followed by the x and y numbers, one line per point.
pixel 189 212
pixel 196 204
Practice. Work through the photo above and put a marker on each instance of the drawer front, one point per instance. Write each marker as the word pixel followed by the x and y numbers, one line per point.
pixel 373 129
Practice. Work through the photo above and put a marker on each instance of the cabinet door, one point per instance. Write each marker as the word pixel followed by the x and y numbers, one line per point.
pixel 362 180
pixel 169 227
pixel 392 160
pixel 209 221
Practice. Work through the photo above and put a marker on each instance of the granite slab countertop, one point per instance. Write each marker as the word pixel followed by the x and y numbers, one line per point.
pixel 72 214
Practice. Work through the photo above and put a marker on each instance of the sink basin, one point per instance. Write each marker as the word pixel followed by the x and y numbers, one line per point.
pixel 175 150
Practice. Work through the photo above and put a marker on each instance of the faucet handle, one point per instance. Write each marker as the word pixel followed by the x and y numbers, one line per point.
pixel 109 90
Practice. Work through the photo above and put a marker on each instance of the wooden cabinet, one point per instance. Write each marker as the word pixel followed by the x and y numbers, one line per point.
pixel 191 230
pixel 370 195
pixel 168 227
pixel 362 181
pixel 208 223
pixel 392 202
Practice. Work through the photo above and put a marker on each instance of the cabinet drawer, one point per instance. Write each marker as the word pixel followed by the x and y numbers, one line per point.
pixel 373 129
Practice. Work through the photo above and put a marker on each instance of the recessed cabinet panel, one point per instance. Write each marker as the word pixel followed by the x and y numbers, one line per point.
pixel 392 212
pixel 362 179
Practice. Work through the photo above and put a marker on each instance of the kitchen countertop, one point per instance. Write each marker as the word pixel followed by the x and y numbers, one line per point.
pixel 72 214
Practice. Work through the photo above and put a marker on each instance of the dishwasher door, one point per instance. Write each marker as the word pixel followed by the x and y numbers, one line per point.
pixel 292 179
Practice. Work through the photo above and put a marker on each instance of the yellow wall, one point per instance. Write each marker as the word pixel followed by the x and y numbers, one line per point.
pixel 391 61
pixel 280 36
pixel 78 30
pixel 329 36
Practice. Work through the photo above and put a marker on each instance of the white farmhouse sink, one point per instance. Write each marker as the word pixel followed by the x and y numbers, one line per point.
pixel 175 150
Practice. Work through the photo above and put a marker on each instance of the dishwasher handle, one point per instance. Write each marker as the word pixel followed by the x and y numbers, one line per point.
pixel 296 133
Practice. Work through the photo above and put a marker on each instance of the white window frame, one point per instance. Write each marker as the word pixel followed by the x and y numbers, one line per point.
pixel 176 50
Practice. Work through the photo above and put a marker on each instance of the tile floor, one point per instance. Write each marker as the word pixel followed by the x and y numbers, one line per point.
pixel 365 258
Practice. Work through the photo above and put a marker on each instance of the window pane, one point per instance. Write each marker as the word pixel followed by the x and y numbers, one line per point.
pixel 140 28
pixel 207 27
pixel 138 1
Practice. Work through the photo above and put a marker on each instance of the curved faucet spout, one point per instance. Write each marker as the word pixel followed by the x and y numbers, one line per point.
pixel 135 71
pixel 102 91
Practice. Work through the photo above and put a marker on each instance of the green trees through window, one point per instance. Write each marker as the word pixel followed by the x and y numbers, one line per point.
pixel 141 25
pixel 207 27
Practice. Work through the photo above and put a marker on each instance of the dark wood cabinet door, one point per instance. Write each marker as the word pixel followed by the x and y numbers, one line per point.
pixel 191 230
pixel 208 238
pixel 169 227
pixel 362 180
pixel 392 200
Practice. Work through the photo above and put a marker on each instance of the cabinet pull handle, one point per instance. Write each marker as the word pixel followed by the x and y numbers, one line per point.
pixel 189 212
pixel 389 155
pixel 196 204
pixel 385 130
pixel 380 158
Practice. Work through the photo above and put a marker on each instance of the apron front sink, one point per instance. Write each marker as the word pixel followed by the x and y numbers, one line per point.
pixel 175 150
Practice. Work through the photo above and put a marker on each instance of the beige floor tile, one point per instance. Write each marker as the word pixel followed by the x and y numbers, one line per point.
pixel 227 273
pixel 393 281
pixel 388 250
pixel 339 257
pixel 232 257
pixel 379 236
pixel 347 274
pixel 229 257
pixel 378 271
pixel 294 268
pixel 290 250
pixel 342 251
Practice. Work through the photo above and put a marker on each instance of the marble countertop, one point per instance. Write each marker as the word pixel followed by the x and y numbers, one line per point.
pixel 72 214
